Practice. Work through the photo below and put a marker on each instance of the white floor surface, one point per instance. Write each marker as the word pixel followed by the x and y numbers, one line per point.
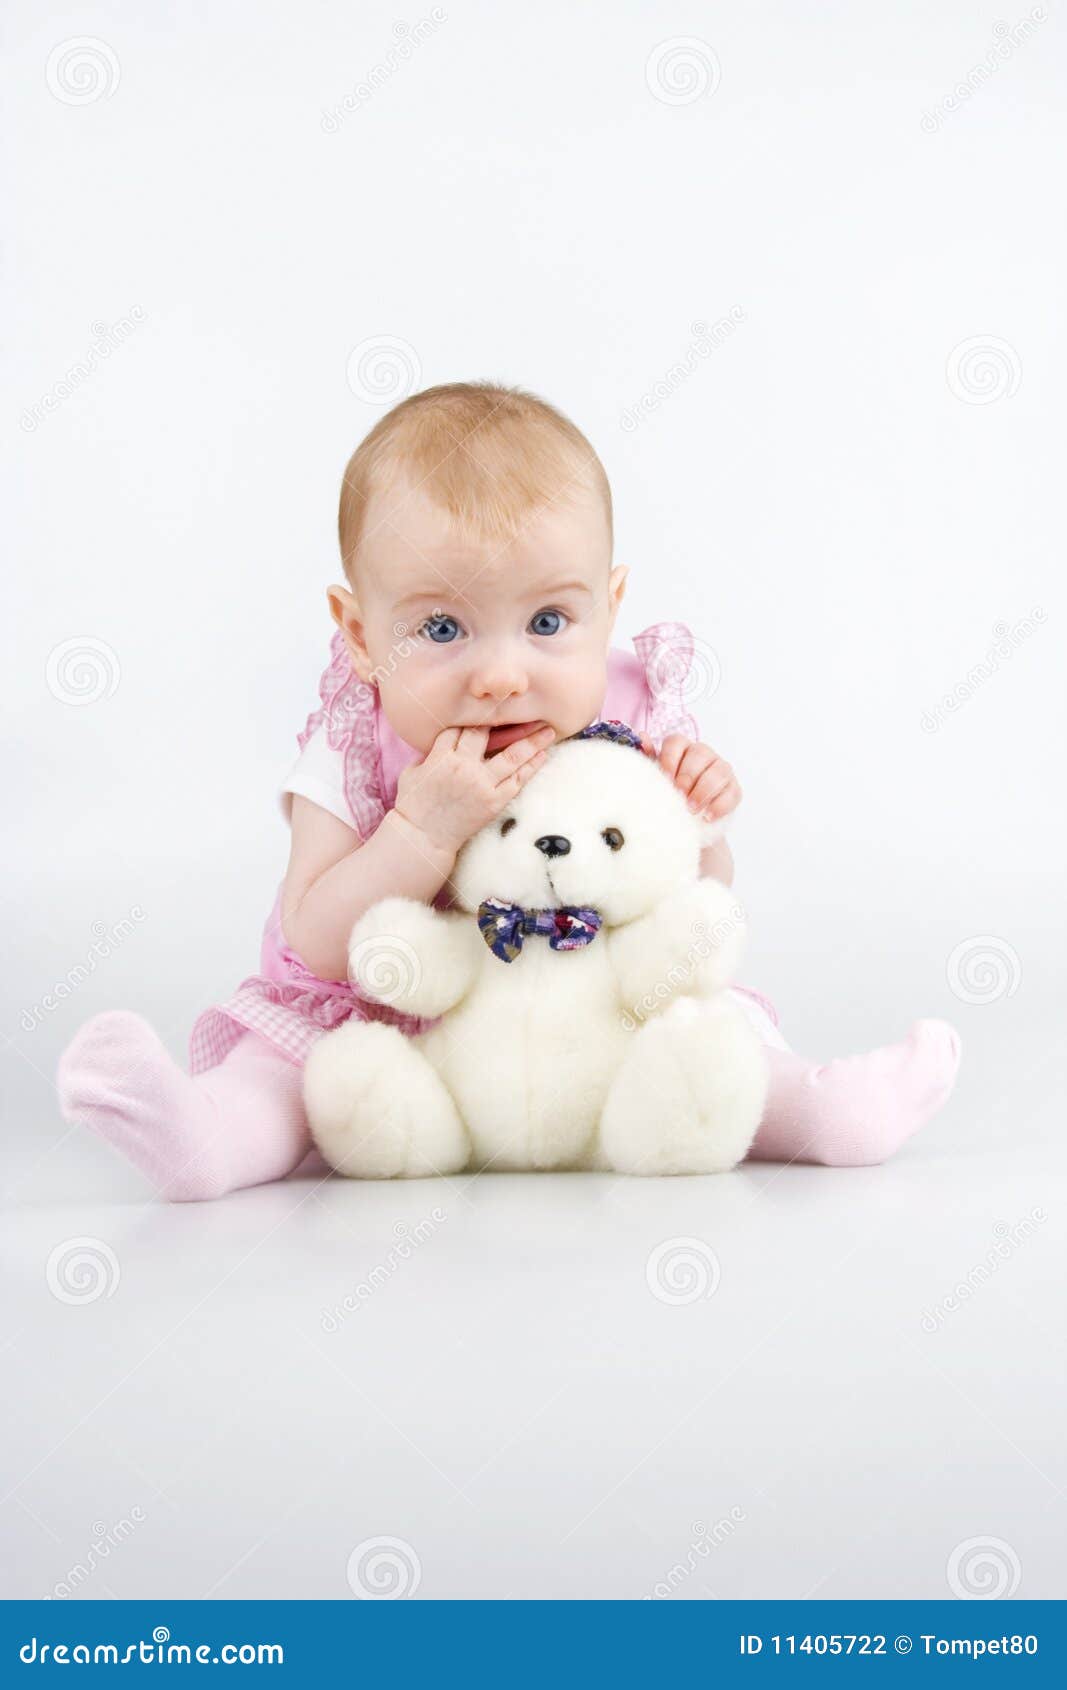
pixel 748 1385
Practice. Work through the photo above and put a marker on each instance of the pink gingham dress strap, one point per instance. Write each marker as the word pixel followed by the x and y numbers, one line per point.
pixel 348 712
pixel 674 677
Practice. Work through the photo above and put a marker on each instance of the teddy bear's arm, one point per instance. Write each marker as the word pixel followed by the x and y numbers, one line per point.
pixel 688 946
pixel 419 960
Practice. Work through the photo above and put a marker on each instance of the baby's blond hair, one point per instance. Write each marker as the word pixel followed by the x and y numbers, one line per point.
pixel 487 455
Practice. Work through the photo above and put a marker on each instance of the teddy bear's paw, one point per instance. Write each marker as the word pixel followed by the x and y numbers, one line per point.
pixel 717 929
pixel 689 1096
pixel 377 1109
pixel 413 958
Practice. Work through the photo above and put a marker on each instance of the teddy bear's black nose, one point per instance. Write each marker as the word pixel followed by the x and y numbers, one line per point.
pixel 553 844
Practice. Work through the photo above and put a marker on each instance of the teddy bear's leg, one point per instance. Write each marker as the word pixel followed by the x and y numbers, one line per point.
pixel 376 1107
pixel 688 1097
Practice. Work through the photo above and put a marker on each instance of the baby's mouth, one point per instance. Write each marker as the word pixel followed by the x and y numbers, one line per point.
pixel 507 733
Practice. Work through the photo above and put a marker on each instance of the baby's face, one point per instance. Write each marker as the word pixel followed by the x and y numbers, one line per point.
pixel 462 632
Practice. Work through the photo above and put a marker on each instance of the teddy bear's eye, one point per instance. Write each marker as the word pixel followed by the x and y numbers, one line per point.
pixel 613 837
pixel 506 825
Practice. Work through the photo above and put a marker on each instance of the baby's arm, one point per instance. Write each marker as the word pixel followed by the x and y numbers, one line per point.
pixel 441 802
pixel 717 863
pixel 332 879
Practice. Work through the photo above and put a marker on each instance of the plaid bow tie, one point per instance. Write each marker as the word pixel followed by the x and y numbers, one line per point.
pixel 505 926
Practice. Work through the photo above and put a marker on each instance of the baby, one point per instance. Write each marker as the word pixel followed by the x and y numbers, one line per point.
pixel 474 631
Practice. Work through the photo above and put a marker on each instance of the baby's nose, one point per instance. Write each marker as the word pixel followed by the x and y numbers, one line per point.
pixel 500 674
pixel 553 844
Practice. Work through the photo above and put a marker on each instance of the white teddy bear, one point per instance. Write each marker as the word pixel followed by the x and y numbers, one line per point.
pixel 580 984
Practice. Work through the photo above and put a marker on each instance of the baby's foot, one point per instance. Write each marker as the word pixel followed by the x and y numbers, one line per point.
pixel 117 1078
pixel 856 1110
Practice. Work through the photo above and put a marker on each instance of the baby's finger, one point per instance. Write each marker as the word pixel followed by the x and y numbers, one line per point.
pixel 511 783
pixel 671 752
pixel 708 781
pixel 470 742
pixel 714 799
pixel 697 761
pixel 504 763
pixel 444 744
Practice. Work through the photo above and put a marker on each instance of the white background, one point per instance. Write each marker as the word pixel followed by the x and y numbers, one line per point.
pixel 840 510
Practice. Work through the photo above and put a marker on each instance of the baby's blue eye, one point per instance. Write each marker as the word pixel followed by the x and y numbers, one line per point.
pixel 439 625
pixel 542 616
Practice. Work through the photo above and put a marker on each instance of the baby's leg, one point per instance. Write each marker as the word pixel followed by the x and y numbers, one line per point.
pixel 239 1123
pixel 856 1110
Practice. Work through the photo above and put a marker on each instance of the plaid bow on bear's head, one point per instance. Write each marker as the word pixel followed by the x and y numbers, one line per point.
pixel 620 733
pixel 567 927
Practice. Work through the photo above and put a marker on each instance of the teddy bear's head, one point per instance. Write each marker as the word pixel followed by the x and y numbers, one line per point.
pixel 599 825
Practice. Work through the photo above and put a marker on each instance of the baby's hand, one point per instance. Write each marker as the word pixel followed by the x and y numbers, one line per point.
pixel 698 771
pixel 456 789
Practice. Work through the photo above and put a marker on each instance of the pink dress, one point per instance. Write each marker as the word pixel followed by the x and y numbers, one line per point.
pixel 289 1006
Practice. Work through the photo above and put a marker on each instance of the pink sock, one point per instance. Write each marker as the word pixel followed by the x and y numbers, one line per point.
pixel 858 1109
pixel 240 1123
